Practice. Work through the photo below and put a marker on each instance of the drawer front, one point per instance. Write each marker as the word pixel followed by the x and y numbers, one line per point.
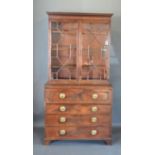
pixel 85 120
pixel 96 132
pixel 78 95
pixel 77 109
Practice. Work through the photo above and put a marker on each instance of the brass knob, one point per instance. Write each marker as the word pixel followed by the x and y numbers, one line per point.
pixel 62 119
pixel 95 96
pixel 62 108
pixel 62 95
pixel 62 132
pixel 93 119
pixel 93 132
pixel 94 109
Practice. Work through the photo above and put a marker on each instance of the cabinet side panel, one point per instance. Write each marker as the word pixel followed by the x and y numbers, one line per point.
pixel 49 49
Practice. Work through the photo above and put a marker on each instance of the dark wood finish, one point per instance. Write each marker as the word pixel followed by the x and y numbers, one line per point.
pixel 77 109
pixel 54 120
pixel 80 14
pixel 77 132
pixel 78 46
pixel 60 83
pixel 78 95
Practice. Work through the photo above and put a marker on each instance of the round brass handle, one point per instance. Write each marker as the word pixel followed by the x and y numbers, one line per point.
pixel 94 109
pixel 93 132
pixel 62 95
pixel 62 119
pixel 93 119
pixel 62 132
pixel 62 108
pixel 95 96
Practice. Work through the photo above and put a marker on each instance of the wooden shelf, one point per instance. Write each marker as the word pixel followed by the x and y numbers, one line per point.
pixel 96 33
pixel 64 66
pixel 66 49
pixel 92 65
pixel 64 32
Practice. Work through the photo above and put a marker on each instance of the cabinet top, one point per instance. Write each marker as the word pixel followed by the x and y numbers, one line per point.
pixel 80 14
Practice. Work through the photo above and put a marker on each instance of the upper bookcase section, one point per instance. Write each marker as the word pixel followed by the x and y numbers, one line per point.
pixel 78 46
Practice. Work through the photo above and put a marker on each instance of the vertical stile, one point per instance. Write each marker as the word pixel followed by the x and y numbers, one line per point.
pixel 77 50
pixel 70 50
pixel 49 49
pixel 88 53
pixel 57 48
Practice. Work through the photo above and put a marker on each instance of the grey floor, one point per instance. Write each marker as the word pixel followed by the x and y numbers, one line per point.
pixel 76 147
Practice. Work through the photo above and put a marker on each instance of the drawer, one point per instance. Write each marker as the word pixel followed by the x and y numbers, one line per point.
pixel 77 109
pixel 96 132
pixel 78 95
pixel 73 120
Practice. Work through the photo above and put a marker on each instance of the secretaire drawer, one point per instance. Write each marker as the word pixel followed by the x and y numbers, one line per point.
pixel 74 109
pixel 81 95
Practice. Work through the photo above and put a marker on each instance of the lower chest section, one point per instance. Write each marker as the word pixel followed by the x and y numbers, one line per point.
pixel 78 112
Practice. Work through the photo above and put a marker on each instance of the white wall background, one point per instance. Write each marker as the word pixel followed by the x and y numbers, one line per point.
pixel 40 47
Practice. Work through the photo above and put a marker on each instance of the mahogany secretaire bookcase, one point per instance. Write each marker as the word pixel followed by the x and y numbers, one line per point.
pixel 78 95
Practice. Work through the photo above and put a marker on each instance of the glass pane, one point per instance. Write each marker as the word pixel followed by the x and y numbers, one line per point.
pixel 63 52
pixel 94 51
